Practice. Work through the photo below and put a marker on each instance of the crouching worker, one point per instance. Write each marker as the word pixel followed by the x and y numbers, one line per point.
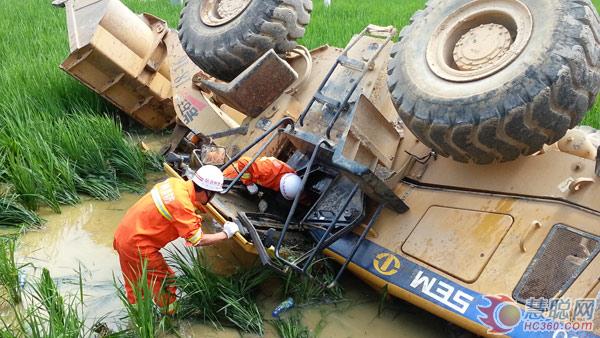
pixel 161 216
pixel 269 173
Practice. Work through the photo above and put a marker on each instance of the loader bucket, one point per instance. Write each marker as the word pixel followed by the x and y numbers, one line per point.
pixel 121 56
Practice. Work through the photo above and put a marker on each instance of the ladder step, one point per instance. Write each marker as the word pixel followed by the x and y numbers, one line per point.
pixel 347 62
pixel 327 100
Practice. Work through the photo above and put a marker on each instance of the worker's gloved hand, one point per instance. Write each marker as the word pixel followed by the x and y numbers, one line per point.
pixel 252 189
pixel 230 229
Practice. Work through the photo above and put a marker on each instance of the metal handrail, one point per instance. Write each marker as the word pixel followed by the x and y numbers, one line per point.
pixel 326 78
pixel 319 245
pixel 277 127
pixel 297 198
pixel 287 120
pixel 362 237
pixel 344 56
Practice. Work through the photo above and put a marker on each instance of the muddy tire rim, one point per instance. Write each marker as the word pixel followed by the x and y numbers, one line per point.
pixel 219 12
pixel 479 39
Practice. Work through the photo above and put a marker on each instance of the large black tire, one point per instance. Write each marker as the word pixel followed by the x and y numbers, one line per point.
pixel 227 50
pixel 546 90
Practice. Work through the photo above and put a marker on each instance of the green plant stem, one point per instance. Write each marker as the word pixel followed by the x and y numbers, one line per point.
pixel 9 271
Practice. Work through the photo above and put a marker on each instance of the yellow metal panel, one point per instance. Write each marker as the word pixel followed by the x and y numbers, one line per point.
pixel 509 261
pixel 544 175
pixel 376 134
pixel 457 241
pixel 122 57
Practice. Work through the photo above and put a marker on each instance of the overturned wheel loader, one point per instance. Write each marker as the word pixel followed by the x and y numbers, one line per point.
pixel 444 166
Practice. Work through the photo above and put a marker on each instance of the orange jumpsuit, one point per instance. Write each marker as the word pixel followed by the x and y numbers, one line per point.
pixel 265 171
pixel 159 217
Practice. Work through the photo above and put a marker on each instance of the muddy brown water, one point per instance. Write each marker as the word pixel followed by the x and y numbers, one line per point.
pixel 80 239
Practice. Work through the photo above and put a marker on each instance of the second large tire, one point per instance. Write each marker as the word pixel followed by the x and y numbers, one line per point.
pixel 546 90
pixel 224 51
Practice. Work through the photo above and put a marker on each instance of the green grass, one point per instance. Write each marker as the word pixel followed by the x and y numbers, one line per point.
pixel 310 291
pixel 63 314
pixel 145 318
pixel 46 313
pixel 57 138
pixel 383 297
pixel 344 18
pixel 291 327
pixel 9 271
pixel 216 299
pixel 14 214
pixel 593 116
pixel 231 300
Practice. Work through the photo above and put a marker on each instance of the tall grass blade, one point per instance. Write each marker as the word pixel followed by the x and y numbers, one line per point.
pixel 46 313
pixel 145 317
pixel 14 214
pixel 291 327
pixel 307 291
pixel 9 271
pixel 217 299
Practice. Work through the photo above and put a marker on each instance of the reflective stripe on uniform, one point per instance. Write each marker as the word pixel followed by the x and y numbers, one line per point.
pixel 246 175
pixel 160 206
pixel 195 239
pixel 170 309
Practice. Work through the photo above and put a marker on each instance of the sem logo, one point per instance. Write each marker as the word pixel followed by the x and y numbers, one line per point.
pixel 500 316
pixel 386 264
pixel 443 292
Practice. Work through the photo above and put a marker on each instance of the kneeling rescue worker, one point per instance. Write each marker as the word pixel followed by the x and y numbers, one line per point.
pixel 164 214
pixel 269 173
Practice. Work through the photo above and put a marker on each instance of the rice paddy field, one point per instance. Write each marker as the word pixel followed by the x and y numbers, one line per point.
pixel 60 142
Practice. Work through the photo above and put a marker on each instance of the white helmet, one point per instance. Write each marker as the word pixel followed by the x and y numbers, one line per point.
pixel 290 186
pixel 209 178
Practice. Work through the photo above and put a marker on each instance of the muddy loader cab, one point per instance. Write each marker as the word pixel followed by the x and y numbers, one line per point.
pixel 340 142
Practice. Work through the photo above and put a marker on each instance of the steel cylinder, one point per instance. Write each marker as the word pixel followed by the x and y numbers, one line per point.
pixel 128 27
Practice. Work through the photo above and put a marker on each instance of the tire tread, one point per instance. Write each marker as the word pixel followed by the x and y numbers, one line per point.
pixel 550 97
pixel 226 56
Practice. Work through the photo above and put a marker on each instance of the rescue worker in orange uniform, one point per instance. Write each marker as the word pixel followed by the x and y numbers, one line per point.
pixel 268 172
pixel 164 214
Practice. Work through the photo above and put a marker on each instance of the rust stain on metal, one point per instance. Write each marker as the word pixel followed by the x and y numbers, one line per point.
pixel 257 87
